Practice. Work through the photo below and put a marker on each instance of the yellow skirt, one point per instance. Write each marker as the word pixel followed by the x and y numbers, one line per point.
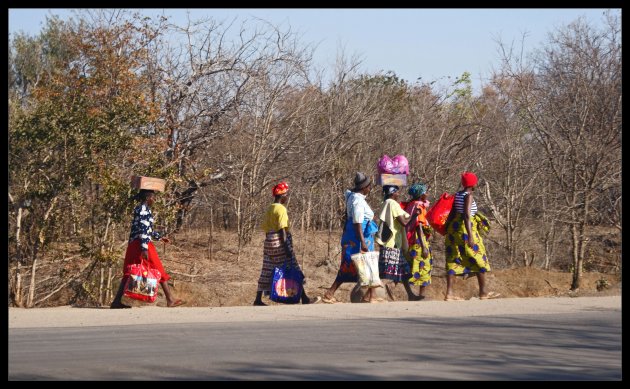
pixel 460 257
pixel 420 267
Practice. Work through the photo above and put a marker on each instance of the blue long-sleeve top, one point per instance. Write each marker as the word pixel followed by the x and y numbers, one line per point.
pixel 142 226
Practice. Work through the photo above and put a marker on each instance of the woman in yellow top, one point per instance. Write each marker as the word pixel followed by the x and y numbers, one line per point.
pixel 278 243
pixel 392 239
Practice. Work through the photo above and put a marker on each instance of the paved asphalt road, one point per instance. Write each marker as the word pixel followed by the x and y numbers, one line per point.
pixel 503 339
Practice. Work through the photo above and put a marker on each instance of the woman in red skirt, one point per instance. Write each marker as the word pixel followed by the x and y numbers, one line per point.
pixel 141 248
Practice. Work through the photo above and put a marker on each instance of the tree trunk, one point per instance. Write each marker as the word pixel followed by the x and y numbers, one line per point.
pixel 40 241
pixel 211 237
pixel 101 282
pixel 330 227
pixel 108 296
pixel 31 287
pixel 581 230
pixel 17 298
pixel 17 293
pixel 550 236
pixel 577 273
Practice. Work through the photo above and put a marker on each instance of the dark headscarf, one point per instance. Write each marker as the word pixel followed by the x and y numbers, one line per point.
pixel 143 194
pixel 389 190
pixel 416 190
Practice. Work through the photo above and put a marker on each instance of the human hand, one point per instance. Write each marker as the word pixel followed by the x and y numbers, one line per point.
pixel 425 252
pixel 364 248
pixel 471 241
pixel 144 254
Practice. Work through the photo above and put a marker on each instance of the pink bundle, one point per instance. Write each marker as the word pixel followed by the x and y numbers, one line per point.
pixel 396 165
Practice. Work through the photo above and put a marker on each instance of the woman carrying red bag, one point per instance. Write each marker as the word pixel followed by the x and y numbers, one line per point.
pixel 140 248
pixel 465 251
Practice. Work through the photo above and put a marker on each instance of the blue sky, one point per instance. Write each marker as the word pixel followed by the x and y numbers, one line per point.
pixel 430 43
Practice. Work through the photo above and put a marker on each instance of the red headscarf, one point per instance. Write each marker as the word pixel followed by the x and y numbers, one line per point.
pixel 280 189
pixel 469 179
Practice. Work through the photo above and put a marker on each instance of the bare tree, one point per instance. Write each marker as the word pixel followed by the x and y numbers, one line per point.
pixel 573 104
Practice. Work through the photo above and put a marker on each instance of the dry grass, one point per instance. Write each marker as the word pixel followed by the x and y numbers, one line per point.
pixel 222 277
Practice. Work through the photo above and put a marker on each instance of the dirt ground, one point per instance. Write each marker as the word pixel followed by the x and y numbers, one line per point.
pixel 209 271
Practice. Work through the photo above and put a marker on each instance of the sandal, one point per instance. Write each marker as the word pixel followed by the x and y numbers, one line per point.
pixel 330 300
pixel 177 303
pixel 491 295
pixel 454 298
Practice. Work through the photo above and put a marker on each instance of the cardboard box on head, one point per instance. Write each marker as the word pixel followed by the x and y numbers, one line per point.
pixel 391 179
pixel 149 183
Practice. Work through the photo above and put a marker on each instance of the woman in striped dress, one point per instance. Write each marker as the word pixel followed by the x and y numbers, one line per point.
pixel 278 243
pixel 465 251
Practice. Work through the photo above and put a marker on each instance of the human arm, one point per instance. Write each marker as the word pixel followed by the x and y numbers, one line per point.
pixel 280 222
pixel 158 236
pixel 467 222
pixel 420 232
pixel 283 239
pixel 405 218
pixel 450 217
pixel 358 228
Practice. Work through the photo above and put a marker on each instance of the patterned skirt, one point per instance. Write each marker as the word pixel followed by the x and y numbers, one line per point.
pixel 351 244
pixel 460 257
pixel 392 265
pixel 420 267
pixel 274 255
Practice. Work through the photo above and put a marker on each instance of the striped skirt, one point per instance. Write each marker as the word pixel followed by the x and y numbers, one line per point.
pixel 274 254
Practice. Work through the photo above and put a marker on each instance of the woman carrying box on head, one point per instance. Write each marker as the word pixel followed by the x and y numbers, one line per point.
pixel 141 248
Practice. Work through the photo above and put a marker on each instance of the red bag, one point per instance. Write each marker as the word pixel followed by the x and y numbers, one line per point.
pixel 142 283
pixel 438 213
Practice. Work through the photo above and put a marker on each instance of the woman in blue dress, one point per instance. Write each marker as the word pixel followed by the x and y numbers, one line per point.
pixel 358 233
